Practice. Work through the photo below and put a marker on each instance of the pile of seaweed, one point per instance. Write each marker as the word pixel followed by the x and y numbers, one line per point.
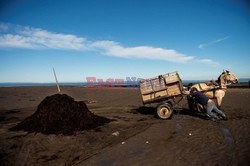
pixel 61 114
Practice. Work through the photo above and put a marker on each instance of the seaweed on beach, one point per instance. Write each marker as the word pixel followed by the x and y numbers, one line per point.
pixel 61 114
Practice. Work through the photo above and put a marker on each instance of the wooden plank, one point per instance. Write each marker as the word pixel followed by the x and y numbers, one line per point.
pixel 161 87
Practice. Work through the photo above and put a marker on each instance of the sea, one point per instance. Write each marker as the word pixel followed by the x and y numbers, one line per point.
pixel 84 84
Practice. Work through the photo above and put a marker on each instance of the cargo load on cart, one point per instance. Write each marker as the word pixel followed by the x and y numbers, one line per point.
pixel 162 90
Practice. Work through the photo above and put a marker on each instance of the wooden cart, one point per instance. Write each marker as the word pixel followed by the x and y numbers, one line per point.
pixel 162 90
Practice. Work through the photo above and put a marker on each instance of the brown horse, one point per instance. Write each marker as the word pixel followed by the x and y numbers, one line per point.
pixel 217 89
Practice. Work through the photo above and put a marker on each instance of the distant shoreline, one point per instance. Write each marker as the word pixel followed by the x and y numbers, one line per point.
pixel 185 83
pixel 242 82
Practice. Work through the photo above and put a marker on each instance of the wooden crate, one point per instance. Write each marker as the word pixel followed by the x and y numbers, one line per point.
pixel 161 87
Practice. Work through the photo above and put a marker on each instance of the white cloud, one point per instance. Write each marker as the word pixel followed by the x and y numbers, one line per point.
pixel 207 61
pixel 34 38
pixel 213 42
pixel 16 36
pixel 112 48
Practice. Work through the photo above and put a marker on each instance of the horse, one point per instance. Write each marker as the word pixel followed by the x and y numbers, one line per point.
pixel 214 89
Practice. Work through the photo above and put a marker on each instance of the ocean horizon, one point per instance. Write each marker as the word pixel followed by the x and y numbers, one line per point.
pixel 23 84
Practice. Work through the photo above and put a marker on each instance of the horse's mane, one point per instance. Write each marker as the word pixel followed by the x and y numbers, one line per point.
pixel 219 78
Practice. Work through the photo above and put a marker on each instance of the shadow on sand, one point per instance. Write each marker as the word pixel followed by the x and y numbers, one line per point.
pixel 181 111
pixel 189 112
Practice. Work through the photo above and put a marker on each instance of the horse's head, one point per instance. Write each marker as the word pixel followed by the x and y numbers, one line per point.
pixel 227 78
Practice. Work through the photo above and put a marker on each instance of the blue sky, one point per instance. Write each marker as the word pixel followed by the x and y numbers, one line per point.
pixel 122 38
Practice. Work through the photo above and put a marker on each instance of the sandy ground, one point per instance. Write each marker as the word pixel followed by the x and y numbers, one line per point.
pixel 136 137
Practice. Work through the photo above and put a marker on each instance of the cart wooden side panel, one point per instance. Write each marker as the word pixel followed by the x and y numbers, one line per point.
pixel 161 88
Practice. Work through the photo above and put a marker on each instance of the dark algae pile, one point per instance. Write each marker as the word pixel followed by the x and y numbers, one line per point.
pixel 61 114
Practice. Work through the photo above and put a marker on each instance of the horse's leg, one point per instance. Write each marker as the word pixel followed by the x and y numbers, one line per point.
pixel 219 95
pixel 218 101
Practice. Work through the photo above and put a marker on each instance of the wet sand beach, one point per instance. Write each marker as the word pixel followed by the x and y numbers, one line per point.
pixel 134 137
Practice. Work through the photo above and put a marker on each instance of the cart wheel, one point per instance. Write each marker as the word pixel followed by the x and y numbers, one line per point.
pixel 164 111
